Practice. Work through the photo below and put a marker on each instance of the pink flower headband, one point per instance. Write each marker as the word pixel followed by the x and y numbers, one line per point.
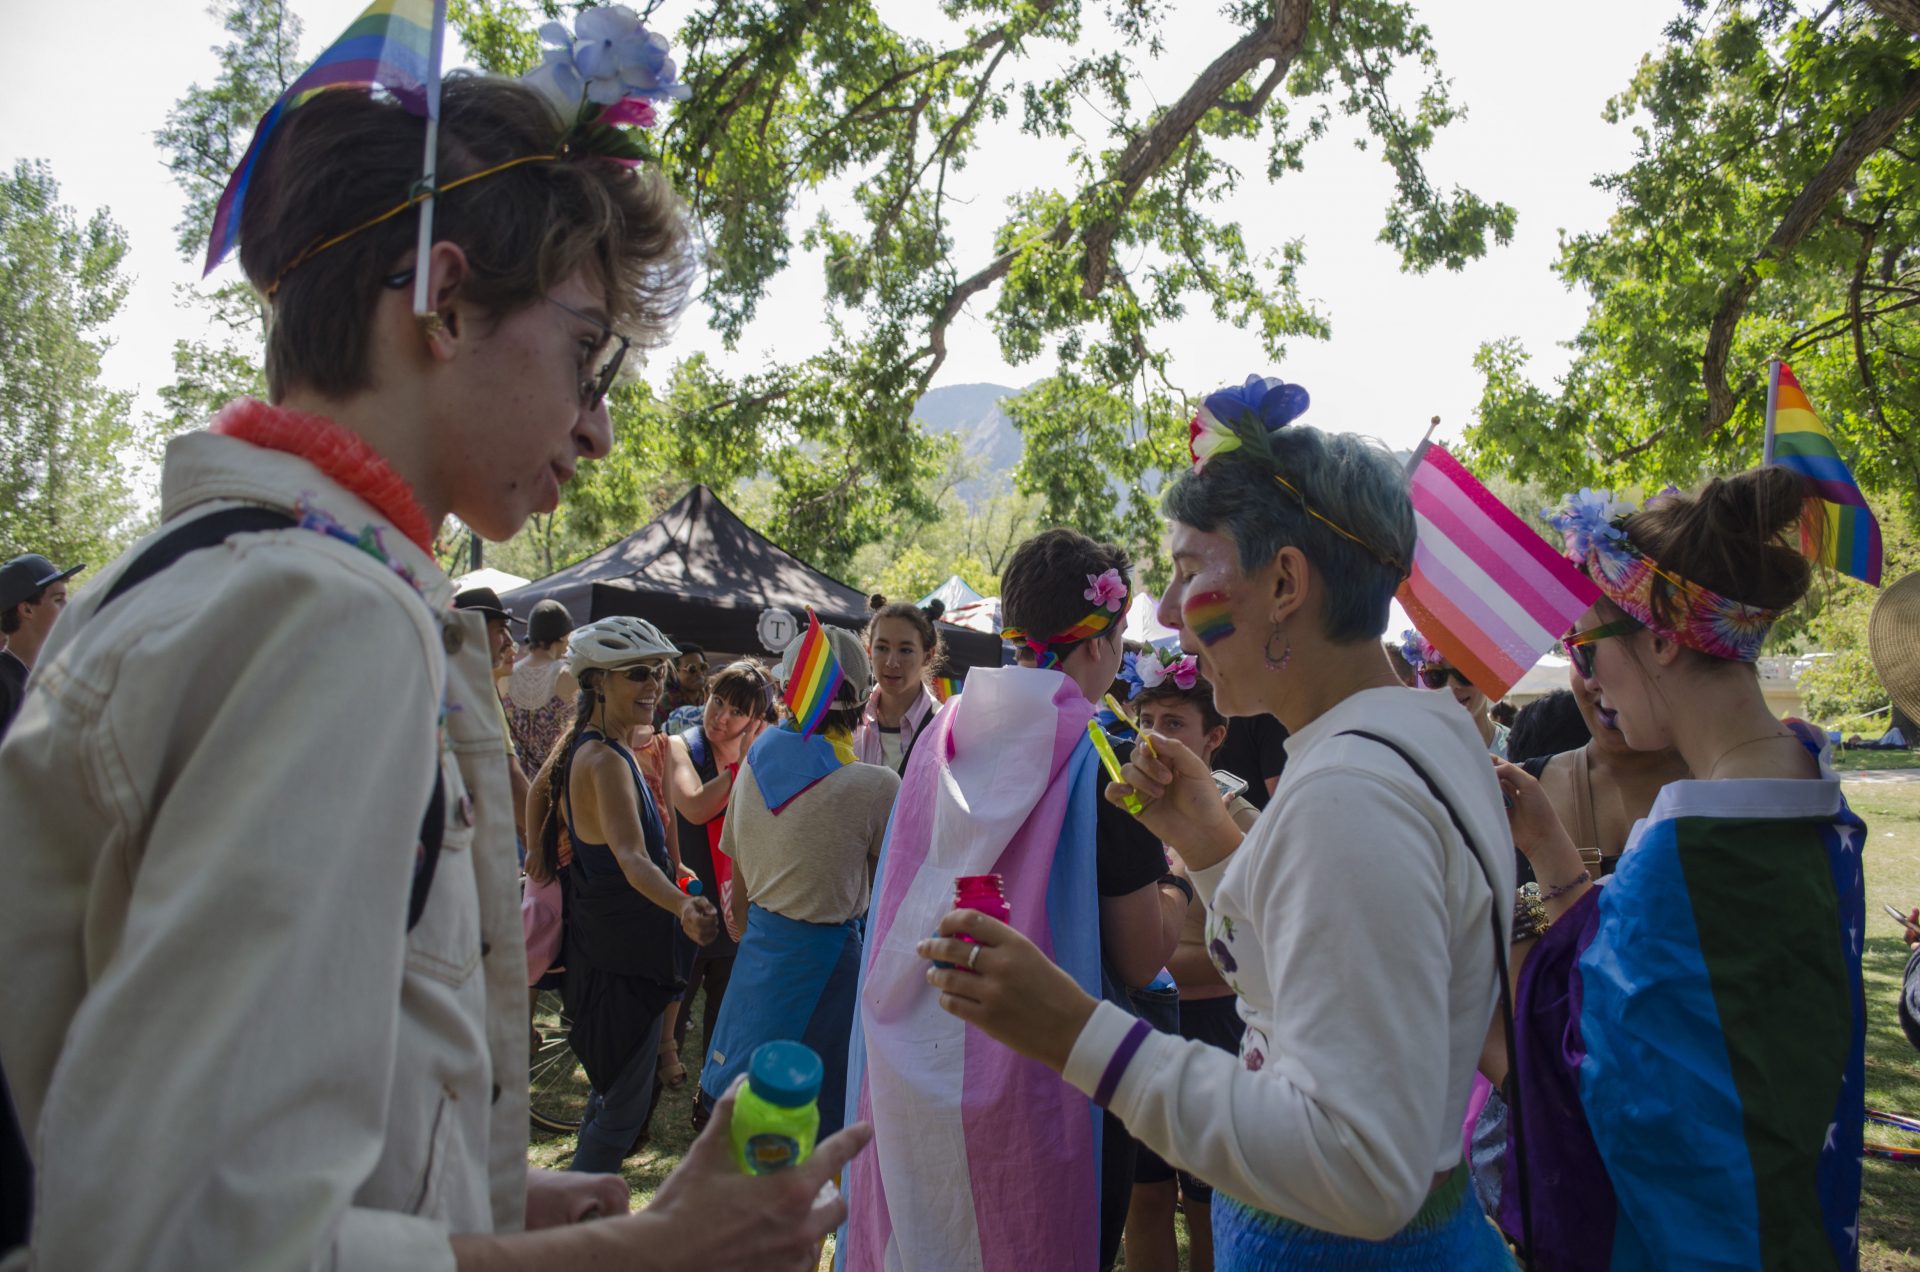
pixel 1698 617
pixel 1107 591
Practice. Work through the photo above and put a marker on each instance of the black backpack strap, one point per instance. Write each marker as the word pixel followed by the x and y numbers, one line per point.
pixel 216 528
pixel 202 532
pixel 1500 964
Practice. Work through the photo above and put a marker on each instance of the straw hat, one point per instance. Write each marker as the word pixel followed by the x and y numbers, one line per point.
pixel 1893 639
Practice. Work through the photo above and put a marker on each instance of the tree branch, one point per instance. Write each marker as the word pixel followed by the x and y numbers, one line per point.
pixel 1906 13
pixel 1867 135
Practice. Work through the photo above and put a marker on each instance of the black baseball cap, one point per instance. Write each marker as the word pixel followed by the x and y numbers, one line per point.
pixel 484 599
pixel 24 576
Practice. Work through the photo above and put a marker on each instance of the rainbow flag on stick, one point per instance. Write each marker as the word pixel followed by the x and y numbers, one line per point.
pixel 394 45
pixel 816 677
pixel 1486 589
pixel 1839 530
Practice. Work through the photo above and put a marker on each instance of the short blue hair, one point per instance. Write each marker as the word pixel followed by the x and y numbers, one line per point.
pixel 1347 479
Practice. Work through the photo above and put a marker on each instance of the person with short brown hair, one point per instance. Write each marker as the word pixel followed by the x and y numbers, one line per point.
pixel 262 925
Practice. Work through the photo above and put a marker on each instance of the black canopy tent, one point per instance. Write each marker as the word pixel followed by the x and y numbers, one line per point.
pixel 703 575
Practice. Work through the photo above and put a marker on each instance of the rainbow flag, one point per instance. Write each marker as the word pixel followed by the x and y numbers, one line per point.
pixel 816 676
pixel 1486 589
pixel 394 45
pixel 1840 530
pixel 945 687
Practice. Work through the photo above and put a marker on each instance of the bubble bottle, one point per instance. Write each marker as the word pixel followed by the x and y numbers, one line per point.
pixel 776 1115
pixel 985 893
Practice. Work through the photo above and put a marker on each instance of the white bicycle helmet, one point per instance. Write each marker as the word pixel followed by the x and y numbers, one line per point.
pixel 619 641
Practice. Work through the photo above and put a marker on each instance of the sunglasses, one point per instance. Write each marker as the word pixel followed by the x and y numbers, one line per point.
pixel 1579 646
pixel 641 673
pixel 1437 677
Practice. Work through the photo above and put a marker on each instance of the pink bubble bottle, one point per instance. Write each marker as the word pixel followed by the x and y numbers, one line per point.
pixel 985 893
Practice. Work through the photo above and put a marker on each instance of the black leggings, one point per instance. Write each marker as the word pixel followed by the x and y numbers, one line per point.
pixel 712 975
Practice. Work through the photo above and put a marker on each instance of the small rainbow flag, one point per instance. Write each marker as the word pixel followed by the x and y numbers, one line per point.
pixel 394 45
pixel 1849 539
pixel 945 687
pixel 816 677
pixel 1486 589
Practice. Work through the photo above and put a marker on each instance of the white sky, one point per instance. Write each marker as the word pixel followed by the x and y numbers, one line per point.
pixel 1533 77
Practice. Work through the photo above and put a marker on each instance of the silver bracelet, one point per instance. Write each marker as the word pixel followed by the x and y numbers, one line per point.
pixel 1585 876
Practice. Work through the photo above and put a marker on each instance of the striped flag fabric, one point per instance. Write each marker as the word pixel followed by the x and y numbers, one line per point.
pixel 816 676
pixel 393 45
pixel 1485 588
pixel 1840 530
pixel 945 687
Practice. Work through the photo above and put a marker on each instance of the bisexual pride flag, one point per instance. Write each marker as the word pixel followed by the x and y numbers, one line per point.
pixel 815 678
pixel 394 45
pixel 1839 530
pixel 1486 590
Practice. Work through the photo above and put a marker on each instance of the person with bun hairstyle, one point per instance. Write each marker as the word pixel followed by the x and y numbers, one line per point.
pixel 1362 920
pixel 266 999
pixel 538 691
pixel 1689 1076
pixel 903 646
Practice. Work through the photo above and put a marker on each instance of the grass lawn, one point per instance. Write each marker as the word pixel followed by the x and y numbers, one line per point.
pixel 1856 761
pixel 1890 1209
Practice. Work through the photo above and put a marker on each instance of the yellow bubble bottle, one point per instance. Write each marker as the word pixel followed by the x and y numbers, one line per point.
pixel 776 1116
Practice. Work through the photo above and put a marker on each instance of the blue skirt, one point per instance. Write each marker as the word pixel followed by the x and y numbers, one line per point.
pixel 792 981
pixel 1450 1234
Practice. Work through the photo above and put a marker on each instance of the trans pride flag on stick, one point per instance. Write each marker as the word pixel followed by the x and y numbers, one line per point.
pixel 816 676
pixel 394 45
pixel 1486 589
pixel 1849 539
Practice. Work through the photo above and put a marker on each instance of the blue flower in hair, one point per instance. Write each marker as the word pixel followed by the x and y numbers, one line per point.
pixel 1273 402
pixel 1587 521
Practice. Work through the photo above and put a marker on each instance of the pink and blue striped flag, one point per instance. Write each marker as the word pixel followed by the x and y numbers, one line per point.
pixel 1839 529
pixel 1486 589
pixel 393 45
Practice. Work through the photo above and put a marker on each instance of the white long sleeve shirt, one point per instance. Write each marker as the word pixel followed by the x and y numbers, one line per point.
pixel 227 1049
pixel 1354 925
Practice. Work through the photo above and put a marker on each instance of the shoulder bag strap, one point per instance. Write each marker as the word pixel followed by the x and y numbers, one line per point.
pixel 1506 986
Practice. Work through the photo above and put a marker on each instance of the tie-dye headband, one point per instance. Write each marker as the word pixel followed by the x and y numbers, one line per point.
pixel 1696 616
pixel 1107 591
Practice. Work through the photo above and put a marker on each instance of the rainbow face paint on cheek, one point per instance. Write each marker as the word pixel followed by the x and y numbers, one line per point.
pixel 1209 616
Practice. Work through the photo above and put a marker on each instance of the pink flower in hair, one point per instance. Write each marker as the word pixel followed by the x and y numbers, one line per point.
pixel 1185 671
pixel 1107 589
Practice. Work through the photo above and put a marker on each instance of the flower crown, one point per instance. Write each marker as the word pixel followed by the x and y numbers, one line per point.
pixel 1108 592
pixel 1419 651
pixel 1594 526
pixel 1243 419
pixel 604 78
pixel 1157 666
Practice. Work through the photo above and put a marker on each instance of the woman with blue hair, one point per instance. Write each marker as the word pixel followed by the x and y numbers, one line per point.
pixel 1361 921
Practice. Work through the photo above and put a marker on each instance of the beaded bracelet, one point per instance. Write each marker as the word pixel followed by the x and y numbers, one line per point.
pixel 1585 876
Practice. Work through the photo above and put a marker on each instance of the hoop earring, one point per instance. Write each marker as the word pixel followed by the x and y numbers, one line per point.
pixel 1286 655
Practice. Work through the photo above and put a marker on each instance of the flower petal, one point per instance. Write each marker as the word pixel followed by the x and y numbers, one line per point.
pixel 557 33
pixel 606 22
pixel 605 90
pixel 559 82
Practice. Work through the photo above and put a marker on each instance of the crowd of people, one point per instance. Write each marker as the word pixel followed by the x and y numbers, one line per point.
pixel 1336 968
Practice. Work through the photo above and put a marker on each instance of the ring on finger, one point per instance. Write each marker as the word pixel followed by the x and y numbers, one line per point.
pixel 973 956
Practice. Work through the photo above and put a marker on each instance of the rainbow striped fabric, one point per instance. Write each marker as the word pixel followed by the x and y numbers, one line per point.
pixel 391 45
pixel 945 687
pixel 816 676
pixel 1849 539
pixel 1486 590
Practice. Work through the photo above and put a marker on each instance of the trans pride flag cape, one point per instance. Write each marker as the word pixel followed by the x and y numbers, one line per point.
pixel 1691 1042
pixel 981 1159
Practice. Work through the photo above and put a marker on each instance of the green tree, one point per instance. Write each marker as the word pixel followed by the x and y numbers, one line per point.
pixel 1772 210
pixel 69 450
pixel 205 135
pixel 794 97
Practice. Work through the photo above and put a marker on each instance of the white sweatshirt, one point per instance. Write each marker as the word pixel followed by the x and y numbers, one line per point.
pixel 1354 925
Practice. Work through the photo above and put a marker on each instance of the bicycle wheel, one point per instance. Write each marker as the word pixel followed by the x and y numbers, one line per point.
pixel 556 1084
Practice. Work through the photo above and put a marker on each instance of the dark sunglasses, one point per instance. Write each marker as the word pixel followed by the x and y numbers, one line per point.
pixel 1579 646
pixel 594 385
pixel 1437 677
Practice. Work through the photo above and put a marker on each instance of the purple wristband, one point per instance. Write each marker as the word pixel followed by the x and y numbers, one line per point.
pixel 1117 1063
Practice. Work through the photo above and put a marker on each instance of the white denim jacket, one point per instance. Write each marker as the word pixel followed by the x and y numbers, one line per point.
pixel 226 1048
